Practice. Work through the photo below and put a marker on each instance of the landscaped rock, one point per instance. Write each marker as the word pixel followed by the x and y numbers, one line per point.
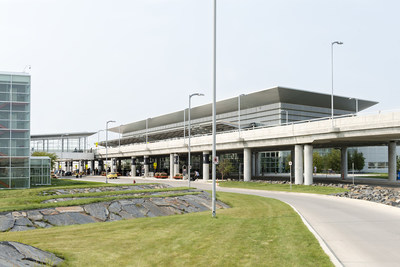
pixel 34 215
pixel 97 210
pixel 18 254
pixel 138 207
pixel 69 219
pixel 6 222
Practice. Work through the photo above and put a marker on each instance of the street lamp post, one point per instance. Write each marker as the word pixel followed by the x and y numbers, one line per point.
pixel 61 154
pixel 189 166
pixel 107 149
pixel 214 114
pixel 287 115
pixel 239 128
pixel 333 43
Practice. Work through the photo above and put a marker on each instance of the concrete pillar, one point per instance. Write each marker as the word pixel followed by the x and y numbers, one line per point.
pixel 392 161
pixel 92 167
pixel 206 166
pixel 100 166
pixel 171 166
pixel 113 165
pixel 80 166
pixel 133 167
pixel 308 164
pixel 298 165
pixel 247 164
pixel 292 156
pixel 254 160
pixel 146 162
pixel 344 169
pixel 176 164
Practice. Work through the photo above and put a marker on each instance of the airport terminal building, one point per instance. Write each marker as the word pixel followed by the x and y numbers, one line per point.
pixel 161 144
pixel 277 106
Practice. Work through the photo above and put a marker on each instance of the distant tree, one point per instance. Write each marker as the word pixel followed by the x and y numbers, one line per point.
pixel 357 158
pixel 287 160
pixel 225 167
pixel 52 156
pixel 334 160
pixel 318 161
pixel 398 163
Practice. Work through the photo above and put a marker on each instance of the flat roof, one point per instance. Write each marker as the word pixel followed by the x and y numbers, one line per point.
pixel 59 135
pixel 272 95
pixel 15 73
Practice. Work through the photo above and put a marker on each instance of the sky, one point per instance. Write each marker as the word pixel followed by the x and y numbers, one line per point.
pixel 128 60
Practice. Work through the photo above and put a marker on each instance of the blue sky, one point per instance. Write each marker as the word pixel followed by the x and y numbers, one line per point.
pixel 94 61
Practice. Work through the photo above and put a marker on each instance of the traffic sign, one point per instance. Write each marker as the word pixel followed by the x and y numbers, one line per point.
pixel 216 160
pixel 290 163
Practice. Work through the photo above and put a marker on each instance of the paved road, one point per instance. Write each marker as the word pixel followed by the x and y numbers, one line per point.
pixel 359 233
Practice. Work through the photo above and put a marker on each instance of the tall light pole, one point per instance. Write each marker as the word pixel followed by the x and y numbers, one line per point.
pixel 287 116
pixel 239 128
pixel 189 166
pixel 214 113
pixel 61 154
pixel 333 43
pixel 107 148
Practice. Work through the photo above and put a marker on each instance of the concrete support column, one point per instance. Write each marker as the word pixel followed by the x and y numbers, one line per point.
pixel 292 156
pixel 392 161
pixel 176 164
pixel 344 169
pixel 92 167
pixel 100 166
pixel 298 164
pixel 247 164
pixel 171 166
pixel 146 162
pixel 206 166
pixel 113 165
pixel 254 161
pixel 80 166
pixel 308 164
pixel 133 167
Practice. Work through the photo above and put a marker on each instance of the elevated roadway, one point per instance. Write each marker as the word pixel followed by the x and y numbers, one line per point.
pixel 341 132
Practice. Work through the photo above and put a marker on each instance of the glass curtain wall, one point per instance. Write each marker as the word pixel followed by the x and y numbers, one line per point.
pixel 40 171
pixel 14 130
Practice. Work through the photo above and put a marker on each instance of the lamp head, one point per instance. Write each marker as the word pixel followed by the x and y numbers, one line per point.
pixel 337 42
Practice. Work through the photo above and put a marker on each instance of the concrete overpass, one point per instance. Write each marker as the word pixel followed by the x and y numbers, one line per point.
pixel 300 137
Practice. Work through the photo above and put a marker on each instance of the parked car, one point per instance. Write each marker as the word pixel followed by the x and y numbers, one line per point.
pixel 112 175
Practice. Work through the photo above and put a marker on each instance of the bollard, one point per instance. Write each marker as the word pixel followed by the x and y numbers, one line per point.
pixel 134 181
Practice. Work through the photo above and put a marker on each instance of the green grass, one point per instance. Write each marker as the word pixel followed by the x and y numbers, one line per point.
pixel 375 175
pixel 256 231
pixel 67 182
pixel 26 199
pixel 284 187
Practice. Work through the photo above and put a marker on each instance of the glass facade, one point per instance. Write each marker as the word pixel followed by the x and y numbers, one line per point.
pixel 14 130
pixel 40 171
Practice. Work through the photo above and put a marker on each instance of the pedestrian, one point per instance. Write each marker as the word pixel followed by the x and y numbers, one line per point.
pixel 196 175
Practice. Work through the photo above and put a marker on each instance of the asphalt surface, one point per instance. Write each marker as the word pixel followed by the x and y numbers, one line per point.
pixel 355 232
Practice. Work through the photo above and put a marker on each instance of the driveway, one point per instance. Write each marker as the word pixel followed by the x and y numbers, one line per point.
pixel 357 232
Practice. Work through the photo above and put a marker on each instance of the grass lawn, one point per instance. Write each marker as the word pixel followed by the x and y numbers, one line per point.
pixel 374 175
pixel 256 231
pixel 325 190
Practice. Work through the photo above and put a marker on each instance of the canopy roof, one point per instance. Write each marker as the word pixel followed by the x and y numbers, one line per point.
pixel 265 97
